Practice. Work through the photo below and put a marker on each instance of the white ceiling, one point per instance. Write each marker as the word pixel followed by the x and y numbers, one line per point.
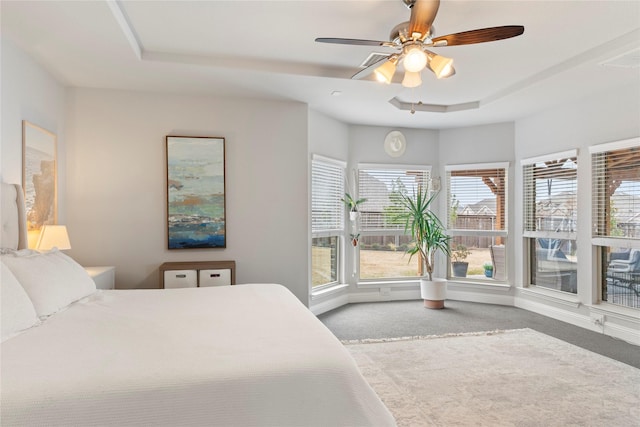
pixel 266 49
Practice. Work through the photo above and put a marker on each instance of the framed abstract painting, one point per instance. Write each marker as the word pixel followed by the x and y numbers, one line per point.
pixel 196 202
pixel 39 176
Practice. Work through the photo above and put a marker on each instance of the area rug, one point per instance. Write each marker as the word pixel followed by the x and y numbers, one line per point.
pixel 498 378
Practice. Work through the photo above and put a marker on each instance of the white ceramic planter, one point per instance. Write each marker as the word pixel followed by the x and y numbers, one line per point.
pixel 433 292
pixel 353 215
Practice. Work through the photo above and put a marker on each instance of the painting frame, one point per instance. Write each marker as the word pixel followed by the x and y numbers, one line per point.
pixel 39 176
pixel 196 192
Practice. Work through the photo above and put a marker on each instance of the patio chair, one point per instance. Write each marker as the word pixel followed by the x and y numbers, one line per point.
pixel 629 265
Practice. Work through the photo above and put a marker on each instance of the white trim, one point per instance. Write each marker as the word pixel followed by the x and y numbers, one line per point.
pixel 328 290
pixel 329 304
pixel 616 242
pixel 547 157
pixel 477 233
pixel 320 158
pixel 328 233
pixel 126 27
pixel 386 166
pixel 477 166
pixel 615 145
pixel 552 295
pixel 565 235
pixel 405 282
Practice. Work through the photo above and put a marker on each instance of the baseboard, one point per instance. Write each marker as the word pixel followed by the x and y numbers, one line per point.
pixel 585 321
pixel 329 304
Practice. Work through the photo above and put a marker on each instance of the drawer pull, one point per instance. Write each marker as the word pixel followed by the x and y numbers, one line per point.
pixel 214 275
pixel 181 276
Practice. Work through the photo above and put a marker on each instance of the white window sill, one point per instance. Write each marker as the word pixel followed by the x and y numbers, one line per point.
pixel 552 295
pixel 330 290
pixel 388 283
pixel 616 311
pixel 464 284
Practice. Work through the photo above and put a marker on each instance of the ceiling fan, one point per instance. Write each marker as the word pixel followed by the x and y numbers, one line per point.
pixel 412 38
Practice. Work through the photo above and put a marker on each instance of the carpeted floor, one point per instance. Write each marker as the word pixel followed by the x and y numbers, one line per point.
pixel 502 378
pixel 409 318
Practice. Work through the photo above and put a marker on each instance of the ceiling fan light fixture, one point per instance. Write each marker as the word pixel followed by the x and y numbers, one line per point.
pixel 385 72
pixel 414 58
pixel 441 66
pixel 411 79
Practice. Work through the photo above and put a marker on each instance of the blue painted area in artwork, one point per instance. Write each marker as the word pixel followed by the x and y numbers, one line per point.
pixel 194 235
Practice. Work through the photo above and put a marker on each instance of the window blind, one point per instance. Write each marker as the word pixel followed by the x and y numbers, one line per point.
pixel 476 197
pixel 550 195
pixel 327 188
pixel 616 190
pixel 382 187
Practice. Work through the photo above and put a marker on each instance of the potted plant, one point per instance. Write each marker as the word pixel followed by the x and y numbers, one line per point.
pixel 354 238
pixel 458 263
pixel 488 269
pixel 352 205
pixel 428 235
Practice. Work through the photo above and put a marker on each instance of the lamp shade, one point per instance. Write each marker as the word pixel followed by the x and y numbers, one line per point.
pixel 411 79
pixel 53 236
pixel 385 72
pixel 441 66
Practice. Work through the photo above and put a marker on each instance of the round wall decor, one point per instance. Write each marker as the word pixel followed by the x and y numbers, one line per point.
pixel 395 143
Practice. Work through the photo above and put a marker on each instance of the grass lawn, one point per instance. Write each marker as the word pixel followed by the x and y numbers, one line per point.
pixel 380 264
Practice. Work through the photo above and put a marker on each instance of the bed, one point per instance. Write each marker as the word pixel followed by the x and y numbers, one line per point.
pixel 246 355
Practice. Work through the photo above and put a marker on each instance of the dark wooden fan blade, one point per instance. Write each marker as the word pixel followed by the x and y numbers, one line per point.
pixel 480 36
pixel 368 70
pixel 357 42
pixel 423 12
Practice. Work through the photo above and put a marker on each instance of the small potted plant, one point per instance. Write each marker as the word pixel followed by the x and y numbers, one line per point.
pixel 458 263
pixel 352 205
pixel 488 269
pixel 354 238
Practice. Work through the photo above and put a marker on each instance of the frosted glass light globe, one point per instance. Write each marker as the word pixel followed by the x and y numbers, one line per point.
pixel 414 59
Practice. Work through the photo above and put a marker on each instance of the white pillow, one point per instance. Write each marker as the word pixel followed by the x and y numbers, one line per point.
pixel 52 279
pixel 17 309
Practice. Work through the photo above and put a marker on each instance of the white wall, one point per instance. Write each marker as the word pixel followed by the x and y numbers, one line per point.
pixel 328 137
pixel 116 183
pixel 29 93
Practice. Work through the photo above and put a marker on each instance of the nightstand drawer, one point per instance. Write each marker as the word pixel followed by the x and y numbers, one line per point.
pixel 180 279
pixel 217 277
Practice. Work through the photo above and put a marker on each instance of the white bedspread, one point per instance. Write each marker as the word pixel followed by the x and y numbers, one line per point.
pixel 244 355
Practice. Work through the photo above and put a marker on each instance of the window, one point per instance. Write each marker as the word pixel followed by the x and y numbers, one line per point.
pixel 477 220
pixel 327 220
pixel 616 219
pixel 550 220
pixel 383 241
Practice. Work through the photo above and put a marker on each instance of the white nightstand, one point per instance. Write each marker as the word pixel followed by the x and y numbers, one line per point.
pixel 105 277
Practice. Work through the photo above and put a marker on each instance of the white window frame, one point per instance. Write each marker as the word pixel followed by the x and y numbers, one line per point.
pixel 396 231
pixel 479 233
pixel 336 229
pixel 599 242
pixel 531 235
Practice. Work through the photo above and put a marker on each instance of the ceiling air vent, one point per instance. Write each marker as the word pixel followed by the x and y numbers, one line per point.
pixel 629 59
pixel 373 58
